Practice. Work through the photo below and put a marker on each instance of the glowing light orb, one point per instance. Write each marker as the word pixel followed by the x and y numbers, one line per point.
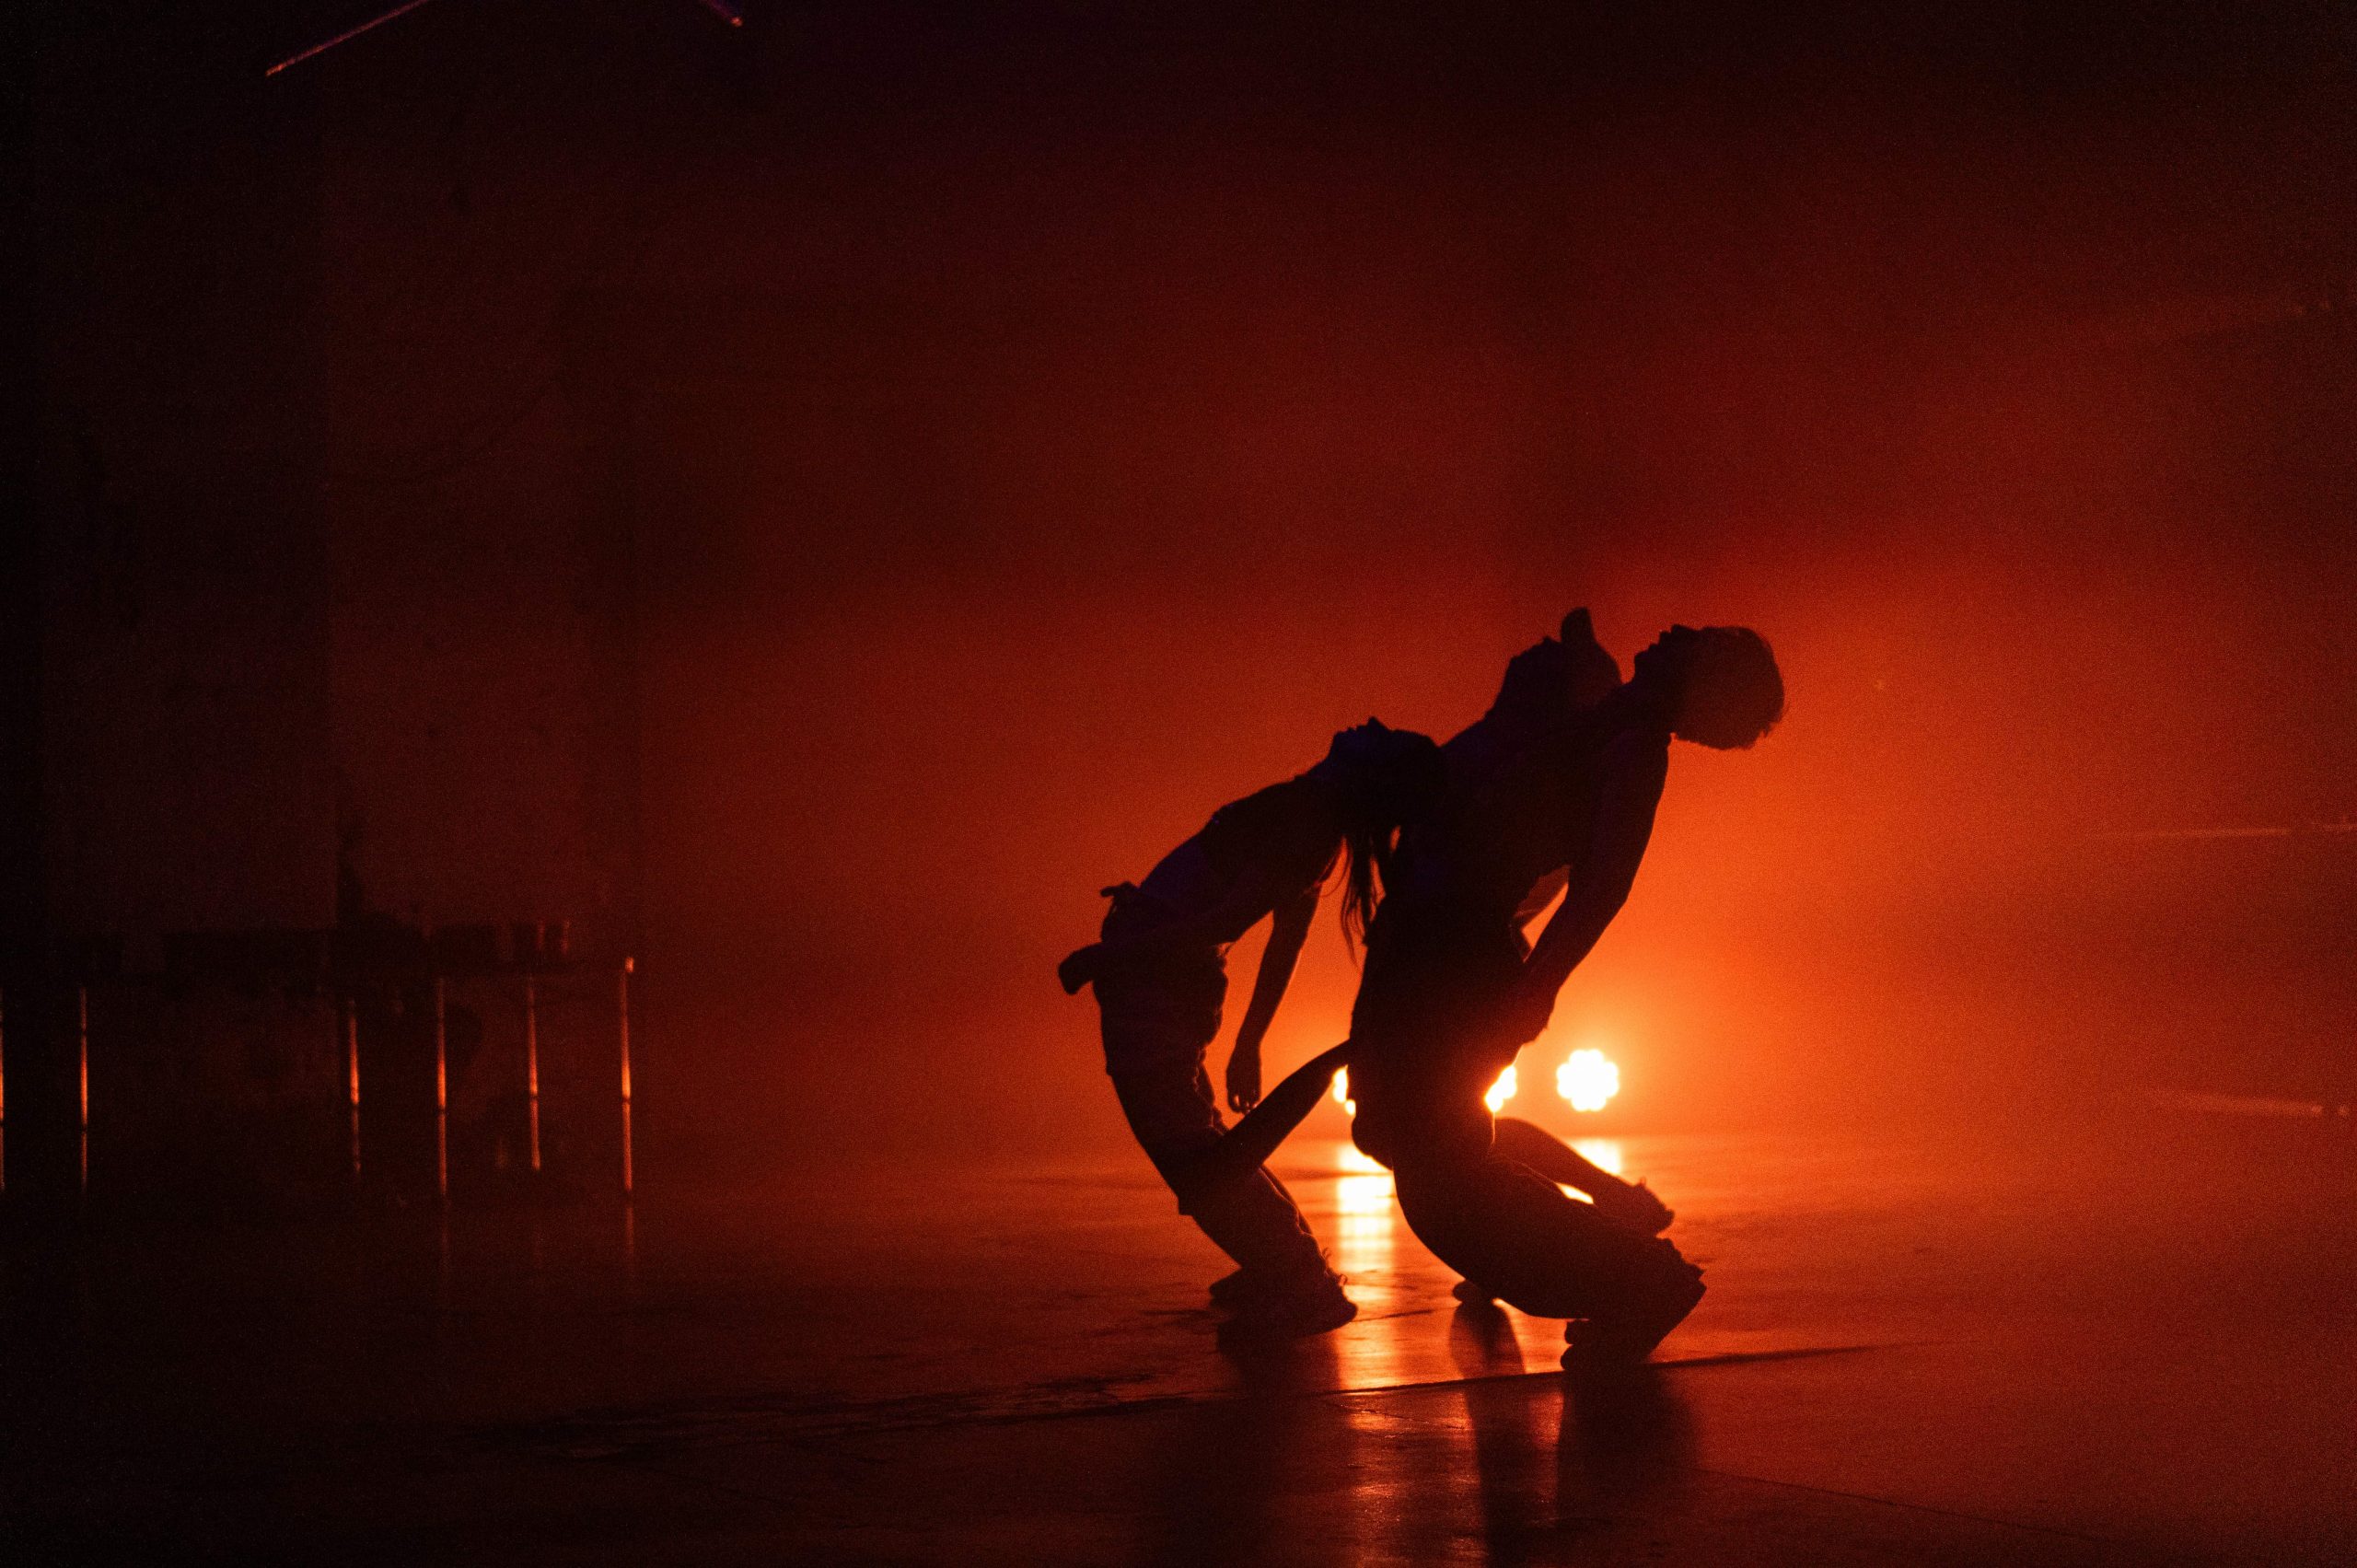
pixel 1589 1079
pixel 1501 1091
pixel 1341 1091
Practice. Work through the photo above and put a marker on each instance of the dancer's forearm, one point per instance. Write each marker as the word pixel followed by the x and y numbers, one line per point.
pixel 1624 1202
pixel 1287 931
pixel 1528 1144
pixel 1604 872
pixel 1248 1144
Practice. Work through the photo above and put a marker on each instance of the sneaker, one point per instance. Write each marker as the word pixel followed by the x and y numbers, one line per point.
pixel 1628 1336
pixel 1243 1286
pixel 1313 1307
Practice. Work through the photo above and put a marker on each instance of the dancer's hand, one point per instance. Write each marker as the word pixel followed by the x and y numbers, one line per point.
pixel 1243 1078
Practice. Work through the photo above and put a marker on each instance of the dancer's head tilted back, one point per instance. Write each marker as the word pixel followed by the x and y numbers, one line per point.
pixel 1383 778
pixel 1719 685
pixel 1386 775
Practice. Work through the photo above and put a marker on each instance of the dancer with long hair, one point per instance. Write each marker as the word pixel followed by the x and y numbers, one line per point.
pixel 1159 971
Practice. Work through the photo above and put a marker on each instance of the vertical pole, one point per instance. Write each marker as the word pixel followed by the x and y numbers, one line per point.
pixel 441 1092
pixel 621 997
pixel 630 1247
pixel 532 1063
pixel 81 1072
pixel 349 1017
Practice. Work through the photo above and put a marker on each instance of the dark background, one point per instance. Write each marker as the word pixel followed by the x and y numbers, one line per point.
pixel 809 502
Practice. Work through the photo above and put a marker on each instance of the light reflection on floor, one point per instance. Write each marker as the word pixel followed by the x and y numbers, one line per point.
pixel 1910 1353
pixel 1364 1218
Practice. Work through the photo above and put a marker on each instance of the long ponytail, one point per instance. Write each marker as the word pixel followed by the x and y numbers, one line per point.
pixel 1366 863
pixel 1382 778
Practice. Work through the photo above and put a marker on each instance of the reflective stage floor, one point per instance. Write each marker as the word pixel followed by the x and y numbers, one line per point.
pixel 2140 1350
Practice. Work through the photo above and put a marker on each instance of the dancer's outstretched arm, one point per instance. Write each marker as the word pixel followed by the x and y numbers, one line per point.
pixel 1248 1144
pixel 1635 770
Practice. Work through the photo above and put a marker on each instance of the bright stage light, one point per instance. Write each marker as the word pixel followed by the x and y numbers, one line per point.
pixel 1586 1077
pixel 1589 1079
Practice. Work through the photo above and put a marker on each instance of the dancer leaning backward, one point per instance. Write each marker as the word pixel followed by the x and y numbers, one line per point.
pixel 1159 971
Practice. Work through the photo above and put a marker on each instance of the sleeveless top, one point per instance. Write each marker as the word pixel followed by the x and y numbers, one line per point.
pixel 1285 839
pixel 1289 832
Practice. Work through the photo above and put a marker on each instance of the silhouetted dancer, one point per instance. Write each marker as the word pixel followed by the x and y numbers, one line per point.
pixel 1545 687
pixel 1451 993
pixel 1161 982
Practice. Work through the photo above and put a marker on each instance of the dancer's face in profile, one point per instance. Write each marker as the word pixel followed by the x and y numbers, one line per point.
pixel 1721 687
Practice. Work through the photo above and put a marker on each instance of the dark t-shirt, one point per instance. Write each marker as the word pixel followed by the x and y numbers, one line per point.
pixel 1289 832
pixel 1263 852
pixel 1512 824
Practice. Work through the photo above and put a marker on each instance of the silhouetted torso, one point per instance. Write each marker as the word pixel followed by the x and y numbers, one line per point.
pixel 1286 835
pixel 1521 799
pixel 1517 812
